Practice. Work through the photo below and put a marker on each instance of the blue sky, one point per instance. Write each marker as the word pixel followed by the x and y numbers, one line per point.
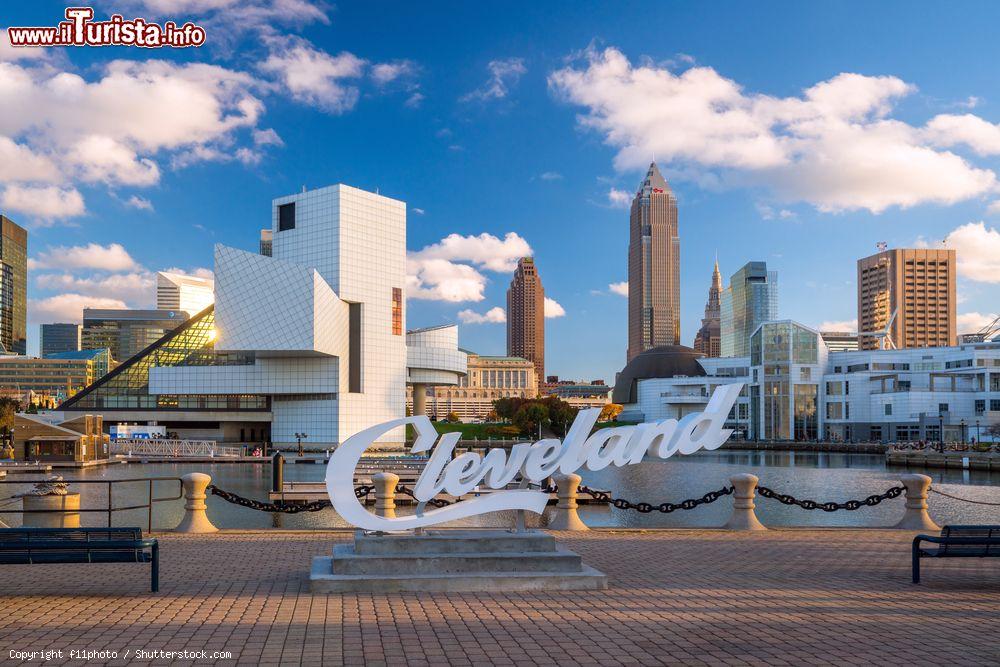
pixel 797 133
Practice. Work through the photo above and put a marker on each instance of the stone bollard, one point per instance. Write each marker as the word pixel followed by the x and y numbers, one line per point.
pixel 195 517
pixel 743 517
pixel 566 517
pixel 385 494
pixel 66 514
pixel 915 516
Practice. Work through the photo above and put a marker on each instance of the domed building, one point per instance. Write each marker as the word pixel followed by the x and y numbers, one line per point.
pixel 672 381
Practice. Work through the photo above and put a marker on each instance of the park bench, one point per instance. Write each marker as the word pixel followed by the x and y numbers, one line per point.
pixel 957 542
pixel 30 546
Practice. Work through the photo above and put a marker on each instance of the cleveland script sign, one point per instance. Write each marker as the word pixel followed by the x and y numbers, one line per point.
pixel 535 462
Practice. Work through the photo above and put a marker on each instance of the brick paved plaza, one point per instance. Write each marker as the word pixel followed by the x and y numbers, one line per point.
pixel 678 596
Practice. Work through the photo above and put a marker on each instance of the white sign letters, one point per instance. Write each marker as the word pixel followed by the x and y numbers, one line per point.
pixel 620 446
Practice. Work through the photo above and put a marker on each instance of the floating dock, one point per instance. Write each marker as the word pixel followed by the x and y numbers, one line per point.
pixel 988 461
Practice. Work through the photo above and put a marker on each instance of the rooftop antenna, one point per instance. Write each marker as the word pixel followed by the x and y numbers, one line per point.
pixel 882 246
pixel 303 188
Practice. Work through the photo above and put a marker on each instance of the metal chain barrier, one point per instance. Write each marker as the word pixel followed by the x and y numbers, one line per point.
pixel 646 508
pixel 261 506
pixel 870 501
pixel 434 502
pixel 964 500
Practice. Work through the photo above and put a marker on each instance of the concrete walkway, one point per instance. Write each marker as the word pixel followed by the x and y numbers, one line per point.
pixel 792 597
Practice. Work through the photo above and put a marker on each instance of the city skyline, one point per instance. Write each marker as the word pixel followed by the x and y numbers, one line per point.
pixel 544 117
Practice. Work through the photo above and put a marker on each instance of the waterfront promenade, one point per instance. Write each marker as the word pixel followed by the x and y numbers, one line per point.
pixel 708 597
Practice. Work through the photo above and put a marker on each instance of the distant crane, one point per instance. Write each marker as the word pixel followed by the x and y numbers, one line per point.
pixel 885 341
pixel 984 334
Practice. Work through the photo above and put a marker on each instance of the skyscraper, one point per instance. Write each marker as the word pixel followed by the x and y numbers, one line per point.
pixel 918 286
pixel 127 332
pixel 13 287
pixel 63 337
pixel 750 300
pixel 175 291
pixel 654 264
pixel 526 316
pixel 708 340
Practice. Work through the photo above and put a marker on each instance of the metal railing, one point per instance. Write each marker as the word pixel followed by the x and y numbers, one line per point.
pixel 111 508
pixel 171 448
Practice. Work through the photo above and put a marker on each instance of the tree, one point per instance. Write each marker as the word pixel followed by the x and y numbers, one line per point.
pixel 453 417
pixel 610 412
pixel 529 416
pixel 8 409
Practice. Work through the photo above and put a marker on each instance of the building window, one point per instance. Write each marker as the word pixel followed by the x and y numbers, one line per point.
pixel 354 348
pixel 980 407
pixel 994 405
pixel 942 407
pixel 397 311
pixel 888 409
pixel 286 217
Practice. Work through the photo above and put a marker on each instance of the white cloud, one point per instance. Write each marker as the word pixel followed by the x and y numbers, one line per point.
pixel 553 309
pixel 385 73
pixel 414 100
pixel 129 287
pixel 141 203
pixel 10 53
pixel 112 257
pixel 495 315
pixel 550 176
pixel 197 272
pixel 315 77
pixel 838 325
pixel 977 250
pixel 948 130
pixel 442 280
pixel 619 198
pixel 973 322
pixel 833 146
pixel 67 307
pixel 104 159
pixel 267 137
pixel 418 211
pixel 485 250
pixel 621 289
pixel 994 207
pixel 503 74
pixel 61 128
pixel 47 203
pixel 768 213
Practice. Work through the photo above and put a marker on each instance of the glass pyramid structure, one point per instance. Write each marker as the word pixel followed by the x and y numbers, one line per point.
pixel 191 344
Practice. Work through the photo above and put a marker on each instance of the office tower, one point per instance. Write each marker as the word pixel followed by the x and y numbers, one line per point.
pixel 127 332
pixel 918 286
pixel 175 291
pixel 708 340
pixel 654 261
pixel 526 316
pixel 62 337
pixel 13 287
pixel 266 241
pixel 750 300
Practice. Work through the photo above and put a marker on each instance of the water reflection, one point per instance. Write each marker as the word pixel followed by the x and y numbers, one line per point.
pixel 817 475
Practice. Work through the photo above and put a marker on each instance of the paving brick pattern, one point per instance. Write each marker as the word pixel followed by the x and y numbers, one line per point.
pixel 785 597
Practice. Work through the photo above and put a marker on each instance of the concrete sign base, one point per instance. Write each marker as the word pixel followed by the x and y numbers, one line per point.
pixel 456 560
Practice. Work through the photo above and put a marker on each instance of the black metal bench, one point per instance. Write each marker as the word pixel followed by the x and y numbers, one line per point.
pixel 28 546
pixel 957 542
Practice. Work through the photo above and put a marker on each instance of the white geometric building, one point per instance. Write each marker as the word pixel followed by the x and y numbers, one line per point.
pixel 175 291
pixel 314 333
pixel 797 389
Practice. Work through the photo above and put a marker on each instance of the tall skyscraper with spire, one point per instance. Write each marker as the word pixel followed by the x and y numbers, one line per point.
pixel 526 316
pixel 654 265
pixel 708 340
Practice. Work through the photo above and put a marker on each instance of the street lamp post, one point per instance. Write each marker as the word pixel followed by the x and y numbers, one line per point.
pixel 941 430
pixel 299 436
pixel 964 439
pixel 978 438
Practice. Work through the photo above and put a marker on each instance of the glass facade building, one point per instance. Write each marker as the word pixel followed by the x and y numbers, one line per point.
pixel 127 332
pixel 13 287
pixel 750 300
pixel 192 344
pixel 785 358
pixel 62 337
